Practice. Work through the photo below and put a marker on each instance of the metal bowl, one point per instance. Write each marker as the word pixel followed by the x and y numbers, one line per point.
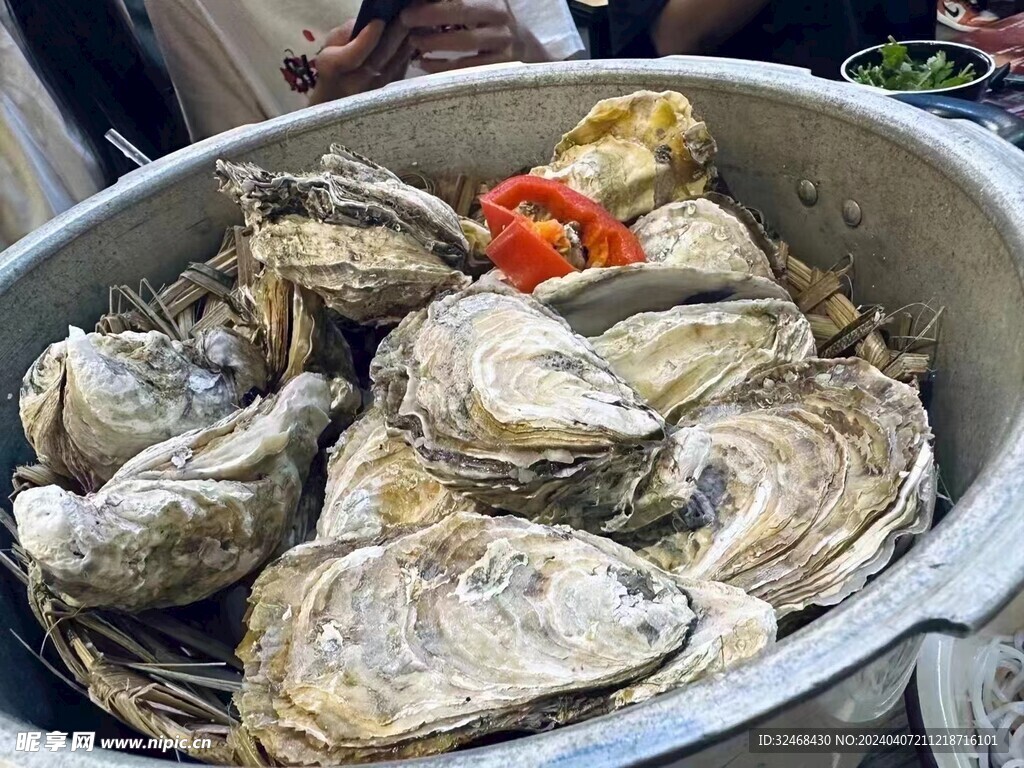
pixel 920 50
pixel 941 219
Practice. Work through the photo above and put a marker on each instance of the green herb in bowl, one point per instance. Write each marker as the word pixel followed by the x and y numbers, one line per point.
pixel 899 72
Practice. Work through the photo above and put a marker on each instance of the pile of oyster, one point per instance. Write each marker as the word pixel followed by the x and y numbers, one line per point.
pixel 540 507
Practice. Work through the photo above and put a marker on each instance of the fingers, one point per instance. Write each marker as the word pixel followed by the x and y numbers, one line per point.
pixel 470 13
pixel 484 39
pixel 340 35
pixel 396 68
pixel 433 66
pixel 395 36
pixel 351 55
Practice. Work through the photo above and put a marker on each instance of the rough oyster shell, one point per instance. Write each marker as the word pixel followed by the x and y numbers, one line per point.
pixel 689 355
pixel 372 246
pixel 442 654
pixel 705 235
pixel 502 402
pixel 635 153
pixel 815 469
pixel 375 486
pixel 185 517
pixel 92 402
pixel 594 300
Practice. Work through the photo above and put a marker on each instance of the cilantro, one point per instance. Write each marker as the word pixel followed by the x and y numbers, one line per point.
pixel 898 72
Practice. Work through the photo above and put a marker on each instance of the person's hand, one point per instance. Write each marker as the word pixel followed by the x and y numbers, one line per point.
pixel 483 31
pixel 377 56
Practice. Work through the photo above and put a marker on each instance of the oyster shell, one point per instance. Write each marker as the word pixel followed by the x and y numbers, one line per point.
pixel 635 153
pixel 372 246
pixel 185 517
pixel 502 402
pixel 689 355
pixel 705 235
pixel 816 469
pixel 594 300
pixel 476 625
pixel 91 402
pixel 375 486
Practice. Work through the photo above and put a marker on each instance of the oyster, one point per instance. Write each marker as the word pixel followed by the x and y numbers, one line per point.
pixel 502 402
pixel 298 336
pixel 706 235
pixel 635 153
pixel 91 402
pixel 594 300
pixel 815 470
pixel 476 625
pixel 185 517
pixel 691 354
pixel 372 246
pixel 375 486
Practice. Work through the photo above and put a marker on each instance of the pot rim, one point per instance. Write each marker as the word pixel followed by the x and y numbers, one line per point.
pixel 956 578
pixel 844 70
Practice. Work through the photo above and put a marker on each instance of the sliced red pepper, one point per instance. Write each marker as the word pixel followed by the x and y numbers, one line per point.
pixel 608 242
pixel 526 259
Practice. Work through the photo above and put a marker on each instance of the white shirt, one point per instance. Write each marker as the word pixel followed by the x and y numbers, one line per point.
pixel 225 56
pixel 45 168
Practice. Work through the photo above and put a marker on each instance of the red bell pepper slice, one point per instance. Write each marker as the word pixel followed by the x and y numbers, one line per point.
pixel 527 257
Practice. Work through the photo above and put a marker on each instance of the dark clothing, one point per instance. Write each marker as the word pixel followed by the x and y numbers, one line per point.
pixel 87 54
pixel 816 34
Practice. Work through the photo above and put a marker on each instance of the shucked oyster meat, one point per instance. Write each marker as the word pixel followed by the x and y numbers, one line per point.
pixel 815 469
pixel 692 354
pixel 715 236
pixel 635 153
pixel 185 517
pixel 375 486
pixel 502 402
pixel 372 246
pixel 92 402
pixel 476 625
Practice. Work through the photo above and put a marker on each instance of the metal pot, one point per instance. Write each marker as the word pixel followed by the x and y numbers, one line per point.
pixel 961 101
pixel 930 210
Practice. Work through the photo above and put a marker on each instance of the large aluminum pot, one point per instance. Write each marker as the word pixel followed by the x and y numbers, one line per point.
pixel 941 219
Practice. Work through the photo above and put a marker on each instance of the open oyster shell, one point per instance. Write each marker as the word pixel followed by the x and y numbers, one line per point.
pixel 692 354
pixel 92 402
pixel 502 402
pixel 707 235
pixel 594 300
pixel 372 246
pixel 635 153
pixel 442 653
pixel 816 469
pixel 375 486
pixel 185 517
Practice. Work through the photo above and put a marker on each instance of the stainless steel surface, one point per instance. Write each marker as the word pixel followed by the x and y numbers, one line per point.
pixel 944 223
pixel 852 213
pixel 808 192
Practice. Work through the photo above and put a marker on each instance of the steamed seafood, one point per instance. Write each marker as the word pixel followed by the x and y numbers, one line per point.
pixel 184 518
pixel 372 246
pixel 702 234
pixel 691 354
pixel 503 403
pixel 596 299
pixel 600 472
pixel 376 486
pixel 92 402
pixel 815 469
pixel 635 153
pixel 477 625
